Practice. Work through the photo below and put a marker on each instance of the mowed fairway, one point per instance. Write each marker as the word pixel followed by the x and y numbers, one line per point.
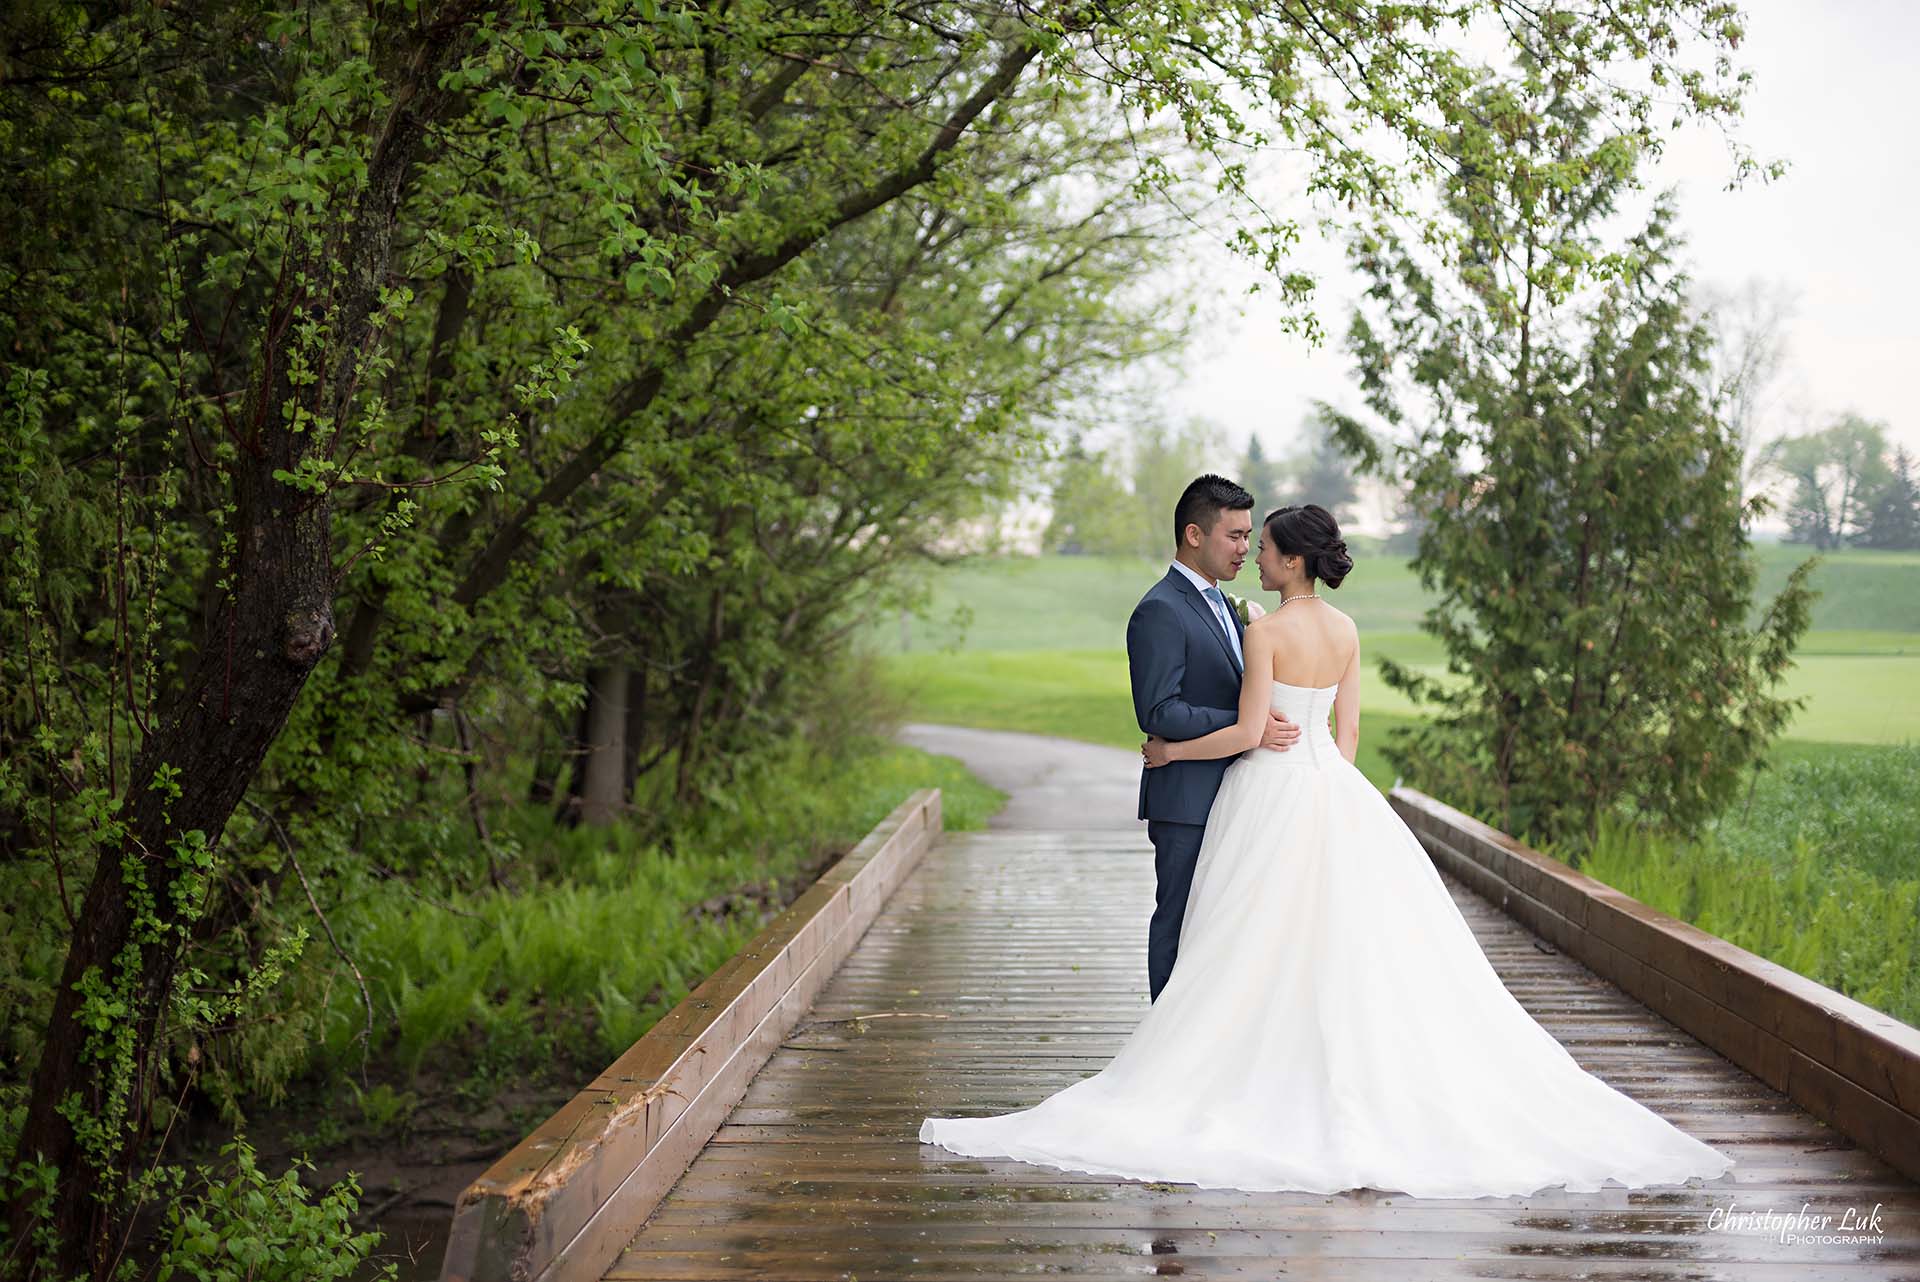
pixel 1038 643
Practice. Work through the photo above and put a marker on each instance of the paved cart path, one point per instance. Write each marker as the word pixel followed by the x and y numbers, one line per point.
pixel 1051 784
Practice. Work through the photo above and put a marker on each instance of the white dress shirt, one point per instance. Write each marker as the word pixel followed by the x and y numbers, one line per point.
pixel 1200 581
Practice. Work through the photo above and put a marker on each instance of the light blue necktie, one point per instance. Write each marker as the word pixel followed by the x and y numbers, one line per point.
pixel 1220 612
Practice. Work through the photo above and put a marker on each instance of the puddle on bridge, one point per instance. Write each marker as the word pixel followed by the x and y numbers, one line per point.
pixel 1615 1222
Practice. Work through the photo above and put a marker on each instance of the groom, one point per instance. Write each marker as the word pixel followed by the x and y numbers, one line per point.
pixel 1184 656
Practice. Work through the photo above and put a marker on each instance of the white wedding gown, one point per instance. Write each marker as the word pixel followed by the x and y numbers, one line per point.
pixel 1331 1023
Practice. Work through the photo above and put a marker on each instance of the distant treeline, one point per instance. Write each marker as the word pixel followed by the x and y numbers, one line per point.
pixel 1848 487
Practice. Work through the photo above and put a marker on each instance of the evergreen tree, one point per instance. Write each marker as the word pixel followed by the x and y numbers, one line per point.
pixel 1320 471
pixel 1586 536
pixel 1261 477
pixel 1893 514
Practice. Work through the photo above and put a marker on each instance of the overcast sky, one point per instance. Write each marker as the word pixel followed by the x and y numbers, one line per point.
pixel 1833 95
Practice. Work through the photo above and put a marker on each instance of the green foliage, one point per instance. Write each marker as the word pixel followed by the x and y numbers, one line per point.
pixel 607 930
pixel 377 372
pixel 382 1107
pixel 1839 475
pixel 28 1184
pixel 1120 500
pixel 1817 872
pixel 249 1227
pixel 1585 532
pixel 232 1225
pixel 1092 512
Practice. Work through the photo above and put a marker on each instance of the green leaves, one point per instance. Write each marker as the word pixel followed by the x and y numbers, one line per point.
pixel 548 377
pixel 681 336
pixel 314 475
pixel 790 319
pixel 249 1227
pixel 1584 516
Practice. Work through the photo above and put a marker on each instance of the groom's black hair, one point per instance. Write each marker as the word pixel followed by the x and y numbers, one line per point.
pixel 1202 502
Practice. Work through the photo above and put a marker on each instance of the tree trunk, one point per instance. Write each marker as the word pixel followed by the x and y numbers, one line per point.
pixel 540 787
pixel 251 660
pixel 636 734
pixel 214 738
pixel 568 811
pixel 603 761
pixel 696 716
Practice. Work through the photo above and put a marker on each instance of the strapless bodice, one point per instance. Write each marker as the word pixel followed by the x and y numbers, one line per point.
pixel 1310 708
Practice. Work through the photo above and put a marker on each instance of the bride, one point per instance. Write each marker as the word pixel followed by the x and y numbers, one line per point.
pixel 1330 1022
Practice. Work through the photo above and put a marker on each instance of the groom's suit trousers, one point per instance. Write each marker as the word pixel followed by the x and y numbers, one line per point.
pixel 1176 849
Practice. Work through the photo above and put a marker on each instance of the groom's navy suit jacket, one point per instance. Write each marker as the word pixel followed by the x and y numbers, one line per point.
pixel 1186 683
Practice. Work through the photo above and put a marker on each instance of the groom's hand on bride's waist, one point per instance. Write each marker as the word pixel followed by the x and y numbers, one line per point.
pixel 1280 733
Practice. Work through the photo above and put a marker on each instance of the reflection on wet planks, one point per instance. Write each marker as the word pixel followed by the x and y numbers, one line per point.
pixel 1010 964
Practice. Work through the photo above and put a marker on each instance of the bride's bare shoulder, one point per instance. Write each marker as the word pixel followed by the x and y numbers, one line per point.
pixel 1271 621
pixel 1346 620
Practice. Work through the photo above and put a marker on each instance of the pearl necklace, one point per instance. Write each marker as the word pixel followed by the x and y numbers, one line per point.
pixel 1304 596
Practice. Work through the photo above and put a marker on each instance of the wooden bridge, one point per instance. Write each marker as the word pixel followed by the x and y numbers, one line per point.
pixel 767 1127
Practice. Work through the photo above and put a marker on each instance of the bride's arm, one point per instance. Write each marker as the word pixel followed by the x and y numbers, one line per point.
pixel 1256 704
pixel 1346 708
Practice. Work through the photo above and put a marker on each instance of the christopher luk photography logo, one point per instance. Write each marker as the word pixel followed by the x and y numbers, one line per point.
pixel 1805 1226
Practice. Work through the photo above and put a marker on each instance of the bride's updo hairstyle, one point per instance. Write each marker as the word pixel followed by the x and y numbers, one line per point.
pixel 1309 530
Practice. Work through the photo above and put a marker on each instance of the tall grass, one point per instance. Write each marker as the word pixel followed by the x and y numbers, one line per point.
pixel 563 972
pixel 1849 803
pixel 1819 873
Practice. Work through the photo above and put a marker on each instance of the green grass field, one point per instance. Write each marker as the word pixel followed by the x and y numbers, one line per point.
pixel 1078 694
pixel 1038 643
pixel 1814 869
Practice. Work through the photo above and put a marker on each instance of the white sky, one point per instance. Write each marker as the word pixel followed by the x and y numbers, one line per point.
pixel 1831 94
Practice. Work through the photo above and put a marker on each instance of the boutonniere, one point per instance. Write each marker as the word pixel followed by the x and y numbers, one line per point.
pixel 1242 606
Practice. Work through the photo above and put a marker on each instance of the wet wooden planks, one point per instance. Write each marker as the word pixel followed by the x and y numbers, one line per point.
pixel 1851 1066
pixel 1010 964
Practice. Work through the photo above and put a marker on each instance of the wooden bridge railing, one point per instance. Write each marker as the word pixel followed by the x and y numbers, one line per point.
pixel 1853 1067
pixel 568 1197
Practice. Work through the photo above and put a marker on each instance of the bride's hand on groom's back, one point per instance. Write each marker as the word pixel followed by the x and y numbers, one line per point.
pixel 1156 751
